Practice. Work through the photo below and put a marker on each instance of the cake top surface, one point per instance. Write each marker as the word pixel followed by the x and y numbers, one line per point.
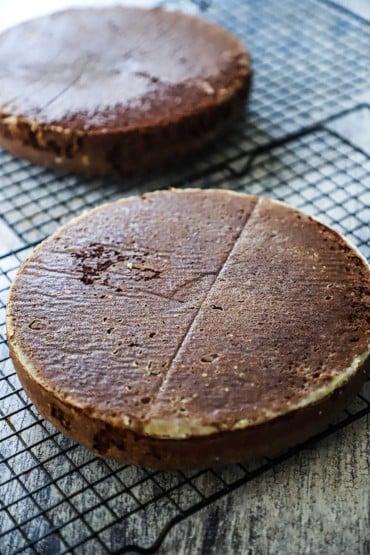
pixel 187 312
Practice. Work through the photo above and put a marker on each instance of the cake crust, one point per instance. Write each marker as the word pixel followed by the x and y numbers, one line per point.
pixel 241 332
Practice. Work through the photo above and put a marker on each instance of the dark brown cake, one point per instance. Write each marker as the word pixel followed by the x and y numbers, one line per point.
pixel 188 328
pixel 117 90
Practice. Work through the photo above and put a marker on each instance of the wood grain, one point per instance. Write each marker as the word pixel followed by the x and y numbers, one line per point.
pixel 315 503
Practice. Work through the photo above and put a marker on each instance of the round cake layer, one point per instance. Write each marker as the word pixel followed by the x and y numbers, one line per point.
pixel 117 90
pixel 191 327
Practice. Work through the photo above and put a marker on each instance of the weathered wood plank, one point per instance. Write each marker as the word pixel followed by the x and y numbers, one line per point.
pixel 316 503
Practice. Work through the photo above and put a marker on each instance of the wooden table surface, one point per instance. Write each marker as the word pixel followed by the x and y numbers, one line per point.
pixel 316 503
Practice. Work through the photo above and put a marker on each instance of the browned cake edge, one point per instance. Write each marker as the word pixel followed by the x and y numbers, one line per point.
pixel 252 442
pixel 126 442
pixel 123 152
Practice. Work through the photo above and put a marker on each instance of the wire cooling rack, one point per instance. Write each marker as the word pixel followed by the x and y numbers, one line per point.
pixel 311 92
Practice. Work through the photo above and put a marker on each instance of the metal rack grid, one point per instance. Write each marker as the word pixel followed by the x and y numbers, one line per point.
pixel 311 68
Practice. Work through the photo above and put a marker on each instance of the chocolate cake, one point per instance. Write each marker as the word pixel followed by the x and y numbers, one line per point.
pixel 191 328
pixel 118 90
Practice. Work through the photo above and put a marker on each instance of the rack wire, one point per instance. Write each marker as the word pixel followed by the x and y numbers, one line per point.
pixel 311 73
